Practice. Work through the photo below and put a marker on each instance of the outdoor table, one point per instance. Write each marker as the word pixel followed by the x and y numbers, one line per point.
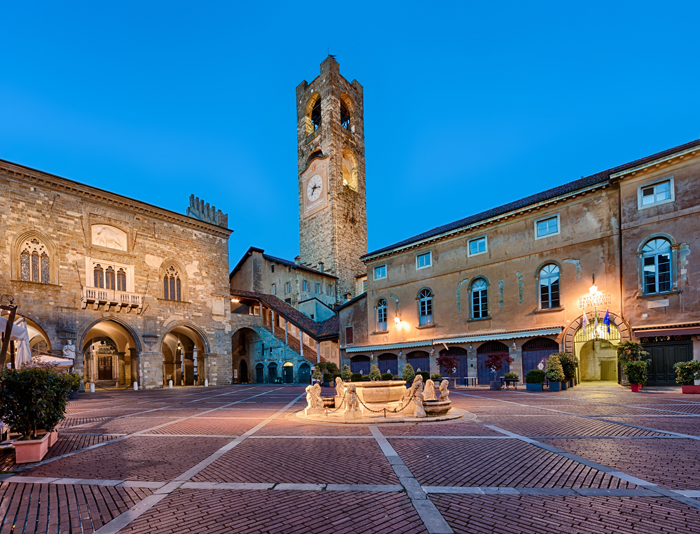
pixel 509 381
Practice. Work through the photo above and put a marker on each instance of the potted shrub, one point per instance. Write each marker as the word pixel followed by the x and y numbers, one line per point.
pixel 356 377
pixel 316 375
pixel 534 380
pixel 375 374
pixel 495 362
pixel 636 372
pixel 554 373
pixel 629 351
pixel 686 375
pixel 327 379
pixel 31 399
pixel 569 363
pixel 332 368
pixel 387 376
pixel 408 374
pixel 425 375
pixel 447 363
pixel 365 378
pixel 74 379
pixel 436 376
pixel 346 373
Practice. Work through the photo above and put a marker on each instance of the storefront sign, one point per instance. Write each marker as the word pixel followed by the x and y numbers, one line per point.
pixel 599 300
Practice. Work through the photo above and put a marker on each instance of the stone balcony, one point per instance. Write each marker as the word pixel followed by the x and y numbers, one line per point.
pixel 110 298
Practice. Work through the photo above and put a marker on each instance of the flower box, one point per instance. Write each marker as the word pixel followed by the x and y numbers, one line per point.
pixel 533 387
pixel 555 386
pixel 32 450
pixel 691 389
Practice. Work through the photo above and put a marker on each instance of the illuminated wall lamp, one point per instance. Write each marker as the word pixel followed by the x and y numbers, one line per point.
pixel 594 288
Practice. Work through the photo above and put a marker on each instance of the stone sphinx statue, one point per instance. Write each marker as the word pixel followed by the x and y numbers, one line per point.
pixel 313 401
pixel 444 392
pixel 418 383
pixel 429 391
pixel 339 392
pixel 418 411
pixel 352 403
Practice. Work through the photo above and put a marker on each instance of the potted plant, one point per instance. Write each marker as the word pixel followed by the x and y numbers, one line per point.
pixel 534 380
pixel 387 376
pixel 346 373
pixel 554 373
pixel 75 379
pixel 327 379
pixel 31 399
pixel 686 375
pixel 569 363
pixel 629 351
pixel 425 375
pixel 356 377
pixel 408 374
pixel 448 363
pixel 375 374
pixel 495 362
pixel 636 372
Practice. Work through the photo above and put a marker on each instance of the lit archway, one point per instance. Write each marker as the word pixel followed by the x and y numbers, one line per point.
pixel 245 345
pixel 184 350
pixel 109 350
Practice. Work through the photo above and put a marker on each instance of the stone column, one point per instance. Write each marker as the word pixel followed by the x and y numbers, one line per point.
pixel 122 367
pixel 150 370
pixel 212 364
pixel 517 365
pixel 434 368
pixel 129 367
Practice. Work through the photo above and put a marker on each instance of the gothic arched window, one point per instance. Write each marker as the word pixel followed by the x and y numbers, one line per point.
pixel 109 278
pixel 480 299
pixel 34 262
pixel 316 115
pixel 549 287
pixel 425 307
pixel 121 280
pixel 172 286
pixel 381 315
pixel 656 266
pixel 99 276
pixel 344 116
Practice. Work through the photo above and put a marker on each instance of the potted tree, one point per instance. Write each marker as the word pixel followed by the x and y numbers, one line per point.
pixel 629 351
pixel 32 399
pixel 534 380
pixel 346 373
pixel 636 372
pixel 569 363
pixel 408 374
pixel 447 363
pixel 686 375
pixel 495 362
pixel 375 374
pixel 74 379
pixel 554 373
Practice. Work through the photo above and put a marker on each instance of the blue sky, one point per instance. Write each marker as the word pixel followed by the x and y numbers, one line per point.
pixel 468 105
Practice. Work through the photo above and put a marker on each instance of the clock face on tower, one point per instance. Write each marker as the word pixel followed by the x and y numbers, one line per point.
pixel 314 188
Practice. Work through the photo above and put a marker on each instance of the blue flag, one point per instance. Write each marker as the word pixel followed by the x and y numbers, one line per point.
pixel 606 319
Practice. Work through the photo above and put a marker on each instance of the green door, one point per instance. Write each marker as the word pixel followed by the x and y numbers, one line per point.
pixel 664 355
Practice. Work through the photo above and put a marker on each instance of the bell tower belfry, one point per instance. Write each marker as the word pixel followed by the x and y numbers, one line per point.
pixel 331 159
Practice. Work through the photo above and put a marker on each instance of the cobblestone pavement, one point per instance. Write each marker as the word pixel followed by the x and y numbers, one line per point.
pixel 596 458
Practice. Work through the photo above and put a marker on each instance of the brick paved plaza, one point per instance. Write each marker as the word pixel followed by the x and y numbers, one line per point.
pixel 597 458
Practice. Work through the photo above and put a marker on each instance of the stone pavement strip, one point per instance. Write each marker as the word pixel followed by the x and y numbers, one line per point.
pixel 235 459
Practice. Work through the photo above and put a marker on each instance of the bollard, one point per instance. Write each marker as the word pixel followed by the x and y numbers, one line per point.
pixel 170 384
pixel 206 383
pixel 136 386
pixel 92 387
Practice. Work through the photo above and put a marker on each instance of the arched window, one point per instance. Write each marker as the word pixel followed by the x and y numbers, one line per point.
pixel 381 315
pixel 316 115
pixel 121 280
pixel 656 266
pixel 480 299
pixel 425 307
pixel 349 170
pixel 172 286
pixel 549 287
pixel 315 154
pixel 109 278
pixel 34 262
pixel 99 276
pixel 344 116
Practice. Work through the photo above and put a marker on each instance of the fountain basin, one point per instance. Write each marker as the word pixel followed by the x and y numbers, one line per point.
pixel 434 408
pixel 380 391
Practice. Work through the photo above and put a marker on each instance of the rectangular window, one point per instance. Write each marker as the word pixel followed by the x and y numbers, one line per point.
pixel 274 289
pixel 272 268
pixel 546 227
pixel 329 289
pixel 318 288
pixel 349 335
pixel 287 288
pixel 364 286
pixel 304 286
pixel 424 260
pixel 477 246
pixel 658 193
pixel 380 272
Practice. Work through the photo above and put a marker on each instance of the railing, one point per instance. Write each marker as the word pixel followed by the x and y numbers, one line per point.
pixel 292 341
pixel 110 297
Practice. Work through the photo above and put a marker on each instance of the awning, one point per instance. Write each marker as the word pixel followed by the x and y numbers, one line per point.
pixel 501 336
pixel 670 331
pixel 393 346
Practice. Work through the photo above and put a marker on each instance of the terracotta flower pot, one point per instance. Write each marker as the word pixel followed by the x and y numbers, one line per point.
pixel 635 387
pixel 691 389
pixel 32 450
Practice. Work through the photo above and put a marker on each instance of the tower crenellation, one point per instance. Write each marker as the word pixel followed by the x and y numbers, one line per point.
pixel 332 189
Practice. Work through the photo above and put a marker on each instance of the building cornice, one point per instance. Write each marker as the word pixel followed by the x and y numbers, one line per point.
pixel 35 176
pixel 667 160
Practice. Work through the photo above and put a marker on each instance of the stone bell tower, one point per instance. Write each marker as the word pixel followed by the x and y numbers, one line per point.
pixel 331 159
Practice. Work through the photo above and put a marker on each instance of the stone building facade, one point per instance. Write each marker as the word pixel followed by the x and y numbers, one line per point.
pixel 140 292
pixel 331 161
pixel 518 279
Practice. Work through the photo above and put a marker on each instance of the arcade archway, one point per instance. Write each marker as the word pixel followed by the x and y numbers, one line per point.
pixel 109 354
pixel 183 357
pixel 245 344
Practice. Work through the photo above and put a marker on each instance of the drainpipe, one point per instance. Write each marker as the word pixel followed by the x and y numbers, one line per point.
pixel 318 353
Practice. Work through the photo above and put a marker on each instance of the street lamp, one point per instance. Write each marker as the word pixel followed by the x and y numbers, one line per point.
pixel 594 288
